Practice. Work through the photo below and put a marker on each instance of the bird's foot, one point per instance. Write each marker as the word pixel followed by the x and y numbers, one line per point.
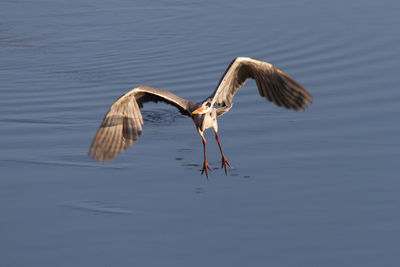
pixel 205 169
pixel 224 163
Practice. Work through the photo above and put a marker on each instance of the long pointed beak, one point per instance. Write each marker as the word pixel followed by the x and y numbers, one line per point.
pixel 199 110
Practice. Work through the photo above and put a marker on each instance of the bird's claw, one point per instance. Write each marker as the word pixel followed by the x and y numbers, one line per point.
pixel 206 166
pixel 224 163
pixel 205 169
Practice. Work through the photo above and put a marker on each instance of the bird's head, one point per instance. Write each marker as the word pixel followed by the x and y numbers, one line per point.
pixel 205 107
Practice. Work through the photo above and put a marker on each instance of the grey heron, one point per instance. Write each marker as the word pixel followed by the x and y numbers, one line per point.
pixel 123 123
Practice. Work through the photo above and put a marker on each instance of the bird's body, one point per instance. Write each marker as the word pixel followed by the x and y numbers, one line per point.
pixel 122 125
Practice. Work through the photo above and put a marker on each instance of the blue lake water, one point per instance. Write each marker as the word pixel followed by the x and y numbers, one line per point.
pixel 313 188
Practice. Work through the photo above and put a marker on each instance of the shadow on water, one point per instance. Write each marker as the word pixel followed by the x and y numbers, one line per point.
pixel 215 165
pixel 161 116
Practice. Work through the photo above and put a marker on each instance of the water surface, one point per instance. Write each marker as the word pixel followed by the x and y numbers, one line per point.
pixel 313 188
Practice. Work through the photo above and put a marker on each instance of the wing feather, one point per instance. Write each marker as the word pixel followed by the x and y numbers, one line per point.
pixel 272 83
pixel 122 125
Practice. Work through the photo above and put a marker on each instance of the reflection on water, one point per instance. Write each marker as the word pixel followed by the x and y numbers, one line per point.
pixel 313 188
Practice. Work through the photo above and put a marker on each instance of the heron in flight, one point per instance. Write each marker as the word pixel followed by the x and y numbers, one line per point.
pixel 123 123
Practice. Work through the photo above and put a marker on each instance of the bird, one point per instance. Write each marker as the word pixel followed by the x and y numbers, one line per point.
pixel 122 124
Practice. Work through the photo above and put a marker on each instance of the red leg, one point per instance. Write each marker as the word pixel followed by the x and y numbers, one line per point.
pixel 224 161
pixel 206 167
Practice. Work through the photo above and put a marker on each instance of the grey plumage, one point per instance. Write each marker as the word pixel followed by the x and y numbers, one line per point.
pixel 122 125
pixel 273 84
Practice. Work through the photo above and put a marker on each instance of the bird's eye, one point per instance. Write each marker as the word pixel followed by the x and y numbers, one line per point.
pixel 208 105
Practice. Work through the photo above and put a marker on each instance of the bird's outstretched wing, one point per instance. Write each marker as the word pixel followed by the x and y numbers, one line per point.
pixel 122 124
pixel 273 84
